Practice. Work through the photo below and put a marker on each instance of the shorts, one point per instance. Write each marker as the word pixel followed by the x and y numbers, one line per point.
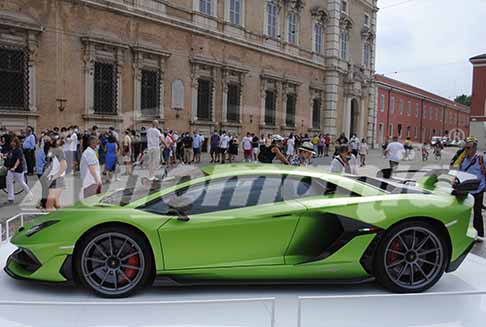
pixel 153 156
pixel 248 153
pixel 126 159
pixel 214 150
pixel 223 150
pixel 57 183
pixel 196 150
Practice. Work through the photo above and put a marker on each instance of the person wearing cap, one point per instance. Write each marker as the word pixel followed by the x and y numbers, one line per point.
pixel 470 161
pixel 274 150
pixel 344 162
pixel 305 153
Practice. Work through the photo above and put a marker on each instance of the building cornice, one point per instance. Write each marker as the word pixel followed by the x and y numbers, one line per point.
pixel 151 50
pixel 188 26
pixel 15 20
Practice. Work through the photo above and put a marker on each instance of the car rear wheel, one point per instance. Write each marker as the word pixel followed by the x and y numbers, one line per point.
pixel 114 261
pixel 411 257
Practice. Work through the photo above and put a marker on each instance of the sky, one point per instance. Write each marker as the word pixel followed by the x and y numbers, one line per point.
pixel 428 43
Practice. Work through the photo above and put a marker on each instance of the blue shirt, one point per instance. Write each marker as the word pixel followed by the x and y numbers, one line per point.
pixel 196 141
pixel 29 142
pixel 474 167
pixel 40 162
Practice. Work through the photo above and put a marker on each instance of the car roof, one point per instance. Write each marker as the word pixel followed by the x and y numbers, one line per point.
pixel 229 170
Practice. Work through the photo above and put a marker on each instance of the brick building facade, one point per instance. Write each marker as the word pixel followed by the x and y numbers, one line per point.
pixel 265 66
pixel 405 111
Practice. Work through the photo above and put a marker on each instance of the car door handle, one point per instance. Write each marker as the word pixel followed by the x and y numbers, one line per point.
pixel 282 215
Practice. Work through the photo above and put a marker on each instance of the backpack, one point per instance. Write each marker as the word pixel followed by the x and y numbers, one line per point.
pixel 265 155
pixel 481 162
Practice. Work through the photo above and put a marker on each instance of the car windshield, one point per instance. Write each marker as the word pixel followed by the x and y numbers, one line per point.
pixel 145 188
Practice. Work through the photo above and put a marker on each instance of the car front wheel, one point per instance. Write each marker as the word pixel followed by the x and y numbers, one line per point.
pixel 411 257
pixel 114 261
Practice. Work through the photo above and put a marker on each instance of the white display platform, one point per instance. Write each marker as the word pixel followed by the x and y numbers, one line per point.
pixel 459 299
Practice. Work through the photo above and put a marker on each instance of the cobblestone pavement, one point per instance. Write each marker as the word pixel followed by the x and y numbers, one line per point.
pixel 375 162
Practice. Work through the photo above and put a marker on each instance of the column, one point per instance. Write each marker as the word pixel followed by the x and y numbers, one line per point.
pixel 137 87
pixel 33 48
pixel 332 61
pixel 225 96
pixel 162 90
pixel 263 96
pixel 119 82
pixel 89 60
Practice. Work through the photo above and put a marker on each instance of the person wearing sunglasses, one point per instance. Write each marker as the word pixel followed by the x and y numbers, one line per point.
pixel 470 161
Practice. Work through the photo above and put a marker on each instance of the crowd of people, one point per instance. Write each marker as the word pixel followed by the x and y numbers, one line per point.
pixel 99 155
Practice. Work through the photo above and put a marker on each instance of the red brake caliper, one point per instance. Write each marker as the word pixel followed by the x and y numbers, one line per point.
pixel 132 261
pixel 392 256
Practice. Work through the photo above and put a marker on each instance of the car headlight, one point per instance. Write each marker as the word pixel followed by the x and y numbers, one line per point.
pixel 37 228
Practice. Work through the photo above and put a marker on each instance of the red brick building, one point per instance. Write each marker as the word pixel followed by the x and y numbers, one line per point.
pixel 405 111
pixel 478 106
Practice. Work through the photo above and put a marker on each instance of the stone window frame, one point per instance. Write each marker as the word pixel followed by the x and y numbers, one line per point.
pixel 320 17
pixel 382 103
pixel 344 6
pixel 293 21
pixel 293 9
pixel 269 83
pixel 266 21
pixel 233 75
pixel 105 51
pixel 242 22
pixel 417 110
pixel 366 20
pixel 213 7
pixel 289 88
pixel 392 104
pixel 316 93
pixel 24 78
pixel 367 37
pixel 203 69
pixel 22 35
pixel 148 58
pixel 346 25
pixel 400 106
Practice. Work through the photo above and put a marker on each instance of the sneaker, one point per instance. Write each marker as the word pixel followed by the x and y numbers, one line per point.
pixel 480 239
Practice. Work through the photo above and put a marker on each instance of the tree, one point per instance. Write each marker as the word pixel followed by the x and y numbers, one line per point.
pixel 464 99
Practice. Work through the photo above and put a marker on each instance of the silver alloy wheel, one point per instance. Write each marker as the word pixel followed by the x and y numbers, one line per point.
pixel 112 263
pixel 414 257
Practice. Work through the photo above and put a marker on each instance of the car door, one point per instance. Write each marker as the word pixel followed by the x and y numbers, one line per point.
pixel 235 221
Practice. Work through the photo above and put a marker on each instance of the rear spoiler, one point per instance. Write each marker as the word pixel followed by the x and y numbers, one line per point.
pixel 462 183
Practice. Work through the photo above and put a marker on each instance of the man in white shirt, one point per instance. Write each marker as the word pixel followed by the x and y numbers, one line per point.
pixel 344 162
pixel 154 137
pixel 394 152
pixel 73 148
pixel 248 147
pixel 223 146
pixel 90 169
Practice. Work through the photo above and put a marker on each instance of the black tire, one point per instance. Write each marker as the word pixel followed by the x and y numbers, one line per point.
pixel 114 261
pixel 411 257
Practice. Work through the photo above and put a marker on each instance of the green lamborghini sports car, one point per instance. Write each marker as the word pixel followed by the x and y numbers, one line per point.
pixel 255 224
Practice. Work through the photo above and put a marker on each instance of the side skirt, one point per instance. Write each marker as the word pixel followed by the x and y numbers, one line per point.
pixel 171 281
